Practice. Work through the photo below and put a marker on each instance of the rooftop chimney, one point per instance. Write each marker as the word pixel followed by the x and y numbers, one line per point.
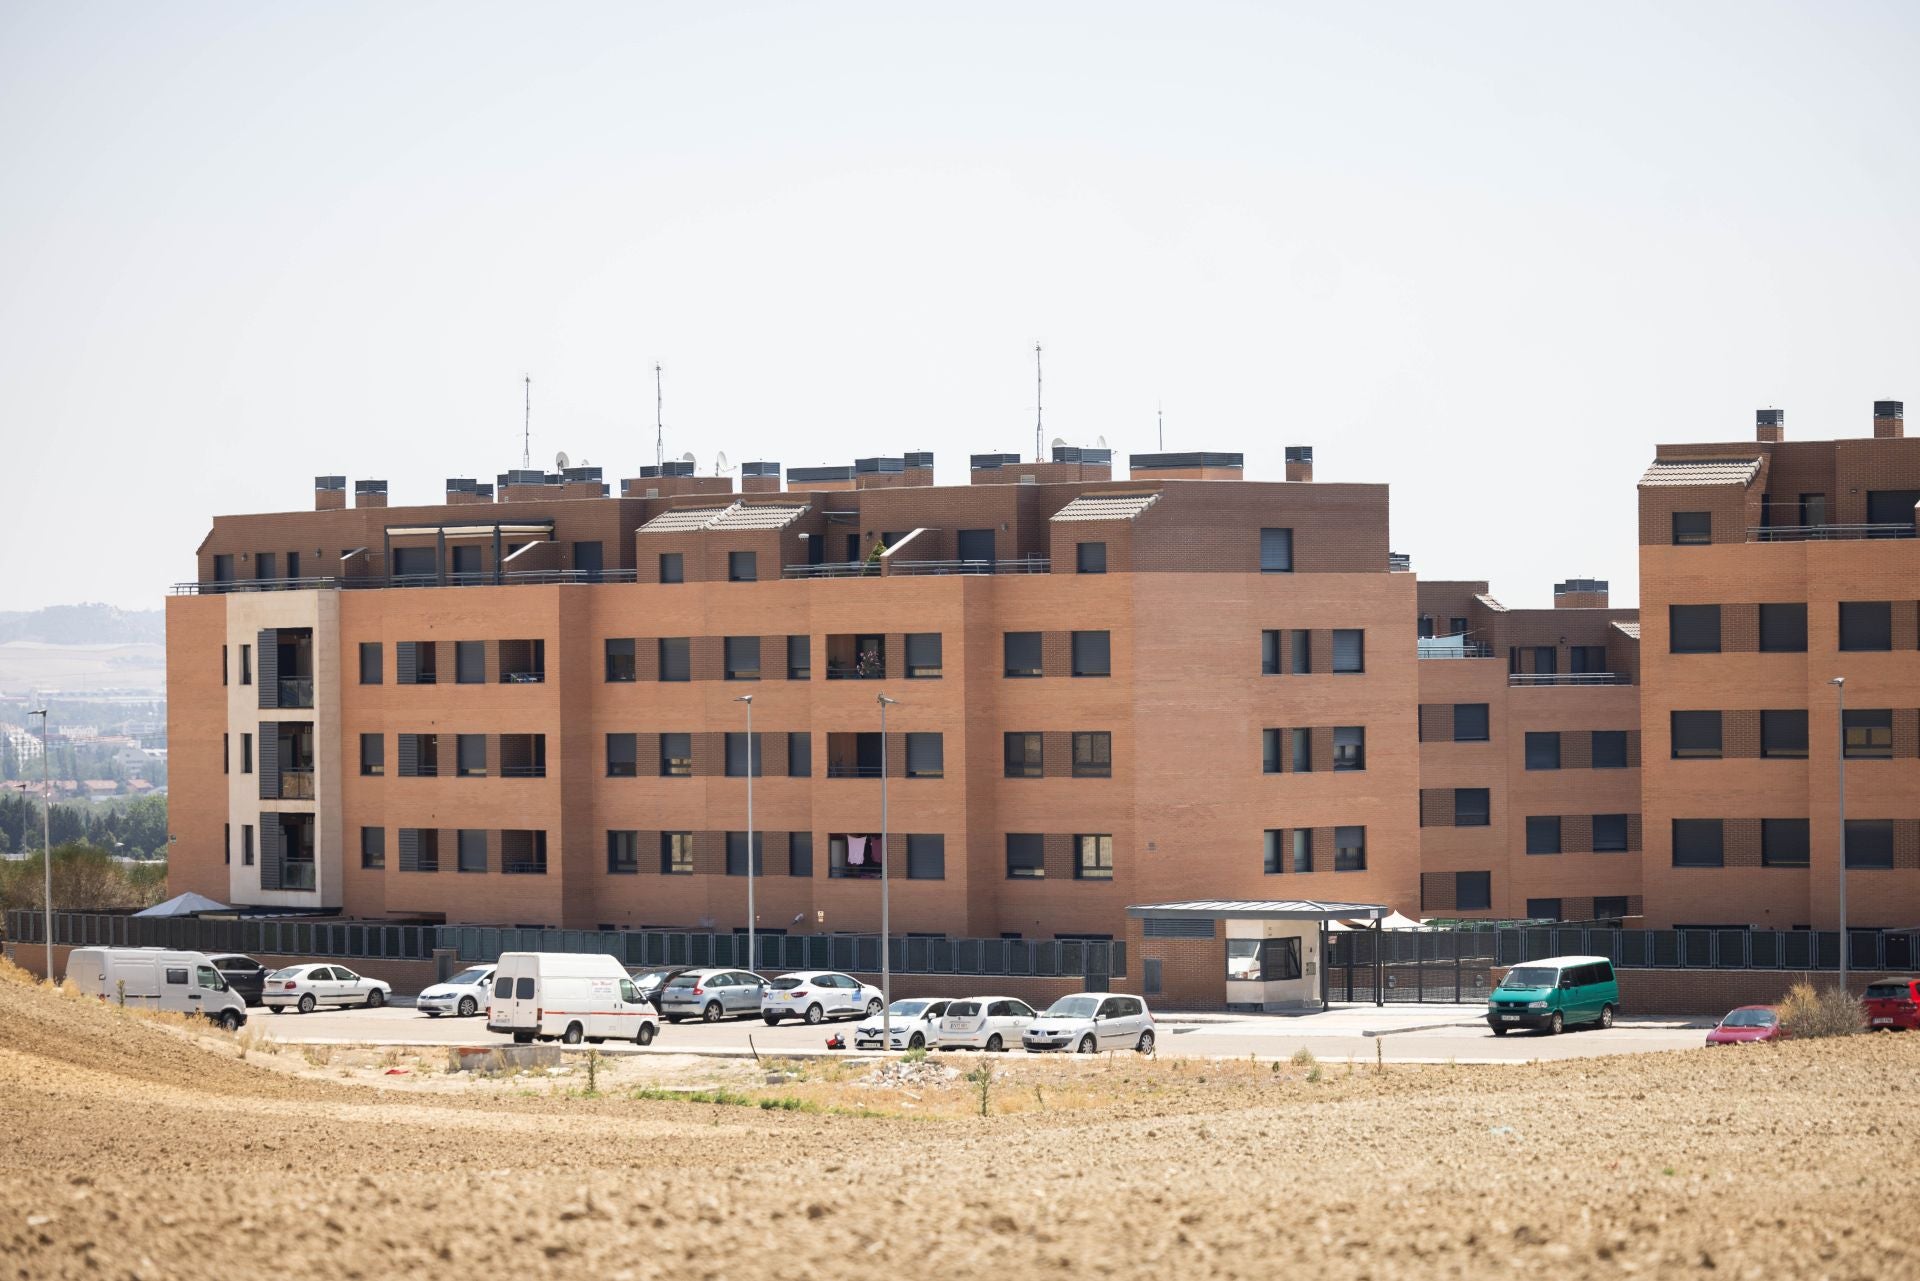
pixel 1581 593
pixel 1770 425
pixel 760 478
pixel 464 490
pixel 369 493
pixel 1887 424
pixel 1300 462
pixel 1196 465
pixel 329 493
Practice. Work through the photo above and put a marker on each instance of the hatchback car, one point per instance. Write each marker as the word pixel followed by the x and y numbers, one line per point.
pixel 461 995
pixel 649 982
pixel 816 995
pixel 306 987
pixel 711 995
pixel 246 976
pixel 1747 1024
pixel 914 1025
pixel 1090 1021
pixel 1892 1005
pixel 989 1023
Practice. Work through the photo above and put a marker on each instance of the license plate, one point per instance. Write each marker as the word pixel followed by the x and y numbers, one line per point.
pixel 1883 1020
pixel 1509 1018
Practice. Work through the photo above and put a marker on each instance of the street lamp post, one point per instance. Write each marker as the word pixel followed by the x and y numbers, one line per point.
pixel 1839 684
pixel 752 958
pixel 886 858
pixel 46 836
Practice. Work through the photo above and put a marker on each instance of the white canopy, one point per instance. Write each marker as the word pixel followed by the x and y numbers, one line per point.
pixel 185 905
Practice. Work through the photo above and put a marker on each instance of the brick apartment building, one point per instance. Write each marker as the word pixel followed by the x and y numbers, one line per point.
pixel 523 705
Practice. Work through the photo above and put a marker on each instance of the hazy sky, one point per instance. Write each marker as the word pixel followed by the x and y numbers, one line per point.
pixel 1487 254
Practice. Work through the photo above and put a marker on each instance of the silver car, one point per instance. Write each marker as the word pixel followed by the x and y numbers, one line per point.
pixel 711 995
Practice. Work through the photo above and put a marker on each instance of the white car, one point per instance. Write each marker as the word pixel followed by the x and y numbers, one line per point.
pixel 462 995
pixel 990 1023
pixel 913 1025
pixel 1087 1022
pixel 306 987
pixel 817 995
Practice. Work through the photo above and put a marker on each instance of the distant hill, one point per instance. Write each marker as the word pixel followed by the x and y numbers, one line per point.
pixel 90 624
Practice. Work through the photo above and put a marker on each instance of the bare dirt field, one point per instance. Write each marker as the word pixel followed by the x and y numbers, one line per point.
pixel 135 1148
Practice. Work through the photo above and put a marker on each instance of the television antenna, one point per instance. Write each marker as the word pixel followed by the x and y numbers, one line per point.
pixel 659 431
pixel 526 422
pixel 1037 403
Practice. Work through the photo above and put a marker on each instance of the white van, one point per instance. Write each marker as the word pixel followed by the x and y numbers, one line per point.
pixel 568 996
pixel 154 978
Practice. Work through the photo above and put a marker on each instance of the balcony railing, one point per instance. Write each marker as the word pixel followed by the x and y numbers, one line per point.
pixel 1567 678
pixel 524 678
pixel 513 578
pixel 296 691
pixel 297 874
pixel 1825 533
pixel 836 770
pixel 296 784
pixel 871 569
pixel 864 671
pixel 525 771
pixel 1472 649
pixel 1399 562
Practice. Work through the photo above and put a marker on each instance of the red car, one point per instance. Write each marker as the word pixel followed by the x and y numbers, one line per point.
pixel 1748 1023
pixel 1893 1004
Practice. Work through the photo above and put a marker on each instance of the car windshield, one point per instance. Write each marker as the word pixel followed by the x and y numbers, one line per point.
pixel 1748 1018
pixel 295 972
pixel 468 978
pixel 787 984
pixel 909 1009
pixel 963 1010
pixel 1886 991
pixel 1073 1007
pixel 684 980
pixel 1531 976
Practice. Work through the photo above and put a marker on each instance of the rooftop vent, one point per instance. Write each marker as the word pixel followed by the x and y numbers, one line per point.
pixel 989 462
pixel 1770 425
pixel 1887 419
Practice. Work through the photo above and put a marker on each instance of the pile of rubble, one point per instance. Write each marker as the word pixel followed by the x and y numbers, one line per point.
pixel 911 1074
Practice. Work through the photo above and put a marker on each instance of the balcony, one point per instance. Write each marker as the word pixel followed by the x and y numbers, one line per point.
pixel 871 569
pixel 1462 649
pixel 1528 679
pixel 523 662
pixel 296 784
pixel 296 691
pixel 512 578
pixel 856 657
pixel 1826 533
pixel 297 874
pixel 853 755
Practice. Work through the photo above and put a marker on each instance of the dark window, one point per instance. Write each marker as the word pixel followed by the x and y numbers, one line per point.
pixel 620 658
pixel 1093 858
pixel 676 853
pixel 1026 856
pixel 1270 751
pixel 226 752
pixel 1022 755
pixel 1543 750
pixel 737 853
pixel 742 658
pixel 739 748
pixel 1543 834
pixel 1276 551
pixel 1022 653
pixel 743 567
pixel 471 753
pixel 1303 849
pixel 1300 642
pixel 1785 842
pixel 623 756
pixel 1610 907
pixel 1092 654
pixel 1783 733
pixel 1349 849
pixel 1349 649
pixel 923 655
pixel 1091 558
pixel 926 756
pixel 623 853
pixel 1270 652
pixel 1472 891
pixel 223 666
pixel 372 662
pixel 1588 658
pixel 1783 629
pixel 975 544
pixel 373 755
pixel 1693 629
pixel 1884 507
pixel 1696 735
pixel 1302 751
pixel 523 852
pixel 226 841
pixel 419 755
pixel 675 663
pixel 673 567
pixel 246 753
pixel 470 662
pixel 676 756
pixel 1456 627
pixel 1865 625
pixel 473 850
pixel 799 658
pixel 1868 734
pixel 587 558
pixel 1813 509
pixel 1692 528
pixel 1349 747
pixel 1472 807
pixel 1609 833
pixel 1699 842
pixel 926 856
pixel 1546 660
pixel 800 854
pixel 1093 754
pixel 1869 842
pixel 246 845
pixel 1543 909
pixel 1469 722
pixel 223 568
pixel 799 754
pixel 266 565
pixel 1426 627
pixel 1609 749
pixel 373 847
pixel 246 664
pixel 1274 858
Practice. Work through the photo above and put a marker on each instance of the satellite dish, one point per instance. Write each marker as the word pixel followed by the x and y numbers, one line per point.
pixel 560 461
pixel 720 462
pixel 1059 441
pixel 1100 442
pixel 687 459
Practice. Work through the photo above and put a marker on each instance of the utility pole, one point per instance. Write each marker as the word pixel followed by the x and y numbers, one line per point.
pixel 886 859
pixel 752 956
pixel 46 836
pixel 526 422
pixel 1038 457
pixel 1839 684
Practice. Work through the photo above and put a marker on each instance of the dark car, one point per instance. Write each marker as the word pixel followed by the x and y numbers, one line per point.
pixel 1892 1005
pixel 651 982
pixel 243 974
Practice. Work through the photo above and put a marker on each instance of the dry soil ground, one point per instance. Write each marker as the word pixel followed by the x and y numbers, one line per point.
pixel 137 1149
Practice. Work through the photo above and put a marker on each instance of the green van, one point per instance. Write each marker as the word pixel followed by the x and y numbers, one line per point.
pixel 1552 993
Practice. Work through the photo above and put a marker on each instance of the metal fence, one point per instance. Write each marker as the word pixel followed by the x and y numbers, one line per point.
pixel 269 936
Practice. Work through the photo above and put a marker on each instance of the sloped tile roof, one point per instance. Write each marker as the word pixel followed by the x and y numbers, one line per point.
pixel 683 520
pixel 758 516
pixel 1107 506
pixel 1701 471
pixel 1631 629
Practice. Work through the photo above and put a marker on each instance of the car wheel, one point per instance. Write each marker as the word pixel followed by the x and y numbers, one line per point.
pixel 917 1042
pixel 1606 1016
pixel 712 1013
pixel 278 1009
pixel 873 1007
pixel 995 1044
pixel 1557 1024
pixel 1086 1045
pixel 596 1040
pixel 1498 1030
pixel 672 1018
pixel 573 1034
pixel 1145 1045
pixel 376 998
pixel 771 1020
pixel 230 1020
pixel 815 1014
pixel 523 1038
pixel 307 1003
pixel 468 1008
pixel 432 1014
pixel 645 1035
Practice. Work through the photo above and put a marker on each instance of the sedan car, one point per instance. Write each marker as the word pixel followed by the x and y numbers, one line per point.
pixel 462 995
pixel 243 974
pixel 711 995
pixel 989 1023
pixel 817 995
pixel 306 987
pixel 914 1024
pixel 650 982
pixel 1893 1005
pixel 1090 1021
pixel 1747 1024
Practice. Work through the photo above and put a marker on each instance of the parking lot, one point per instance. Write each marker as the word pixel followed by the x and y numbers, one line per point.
pixel 1401 1034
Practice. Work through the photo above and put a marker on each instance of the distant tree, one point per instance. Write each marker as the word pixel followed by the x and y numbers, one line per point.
pixel 85 879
